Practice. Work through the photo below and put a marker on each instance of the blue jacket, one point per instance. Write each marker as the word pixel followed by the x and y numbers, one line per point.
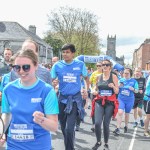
pixel 69 100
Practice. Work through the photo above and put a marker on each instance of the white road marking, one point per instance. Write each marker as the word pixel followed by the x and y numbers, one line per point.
pixel 133 139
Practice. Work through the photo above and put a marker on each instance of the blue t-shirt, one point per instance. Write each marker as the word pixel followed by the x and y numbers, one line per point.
pixel 147 90
pixel 124 92
pixel 22 102
pixel 5 80
pixel 69 76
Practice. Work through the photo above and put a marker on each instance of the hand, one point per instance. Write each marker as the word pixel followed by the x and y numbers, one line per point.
pixel 141 91
pixel 38 117
pixel 95 92
pixel 84 93
pixel 111 85
pixel 131 88
pixel 2 140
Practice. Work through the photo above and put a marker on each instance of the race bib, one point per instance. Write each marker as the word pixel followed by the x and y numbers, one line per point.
pixel 125 92
pixel 69 78
pixel 22 132
pixel 105 92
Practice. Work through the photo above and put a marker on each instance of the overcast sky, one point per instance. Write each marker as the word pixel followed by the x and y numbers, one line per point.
pixel 127 19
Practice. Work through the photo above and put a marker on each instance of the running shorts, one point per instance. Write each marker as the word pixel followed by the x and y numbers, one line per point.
pixel 147 107
pixel 138 103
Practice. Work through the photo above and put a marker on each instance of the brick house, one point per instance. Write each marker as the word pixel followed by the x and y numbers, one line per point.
pixel 12 35
pixel 141 56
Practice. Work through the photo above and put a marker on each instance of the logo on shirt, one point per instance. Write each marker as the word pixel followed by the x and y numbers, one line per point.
pixel 36 100
pixel 77 68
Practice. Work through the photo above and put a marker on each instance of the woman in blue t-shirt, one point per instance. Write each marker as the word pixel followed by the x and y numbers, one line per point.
pixel 29 106
pixel 127 87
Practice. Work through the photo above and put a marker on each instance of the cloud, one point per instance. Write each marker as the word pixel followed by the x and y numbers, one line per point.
pixel 128 41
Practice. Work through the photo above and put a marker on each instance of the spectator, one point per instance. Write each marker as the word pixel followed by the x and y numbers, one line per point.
pixel 7 55
pixel 54 60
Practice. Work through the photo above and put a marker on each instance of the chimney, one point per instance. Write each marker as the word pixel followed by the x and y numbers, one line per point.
pixel 32 28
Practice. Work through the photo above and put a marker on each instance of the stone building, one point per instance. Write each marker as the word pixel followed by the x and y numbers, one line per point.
pixel 141 56
pixel 12 35
pixel 111 50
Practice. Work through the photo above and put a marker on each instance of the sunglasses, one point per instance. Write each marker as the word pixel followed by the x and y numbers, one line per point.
pixel 106 65
pixel 98 66
pixel 25 68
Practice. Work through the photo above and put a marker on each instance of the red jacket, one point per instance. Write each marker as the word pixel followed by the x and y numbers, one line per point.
pixel 111 98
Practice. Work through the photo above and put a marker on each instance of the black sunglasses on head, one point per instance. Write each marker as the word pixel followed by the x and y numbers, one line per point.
pixel 106 65
pixel 25 68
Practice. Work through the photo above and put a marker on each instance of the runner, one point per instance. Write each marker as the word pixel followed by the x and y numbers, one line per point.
pixel 30 106
pixel 147 108
pixel 127 87
pixel 138 103
pixel 105 105
pixel 69 72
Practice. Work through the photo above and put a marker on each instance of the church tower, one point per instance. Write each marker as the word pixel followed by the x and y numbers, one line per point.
pixel 111 47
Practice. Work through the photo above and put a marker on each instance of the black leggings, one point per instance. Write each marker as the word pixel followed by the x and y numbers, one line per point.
pixel 103 113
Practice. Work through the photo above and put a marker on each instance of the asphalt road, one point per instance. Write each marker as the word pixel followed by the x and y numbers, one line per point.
pixel 85 138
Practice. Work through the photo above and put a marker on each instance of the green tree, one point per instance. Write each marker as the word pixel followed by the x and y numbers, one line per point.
pixel 76 26
pixel 55 43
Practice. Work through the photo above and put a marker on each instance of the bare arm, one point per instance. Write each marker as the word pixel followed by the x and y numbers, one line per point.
pixel 96 86
pixel 6 119
pixel 114 85
pixel 87 82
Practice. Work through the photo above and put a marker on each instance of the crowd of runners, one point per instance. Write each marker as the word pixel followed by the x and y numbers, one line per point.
pixel 37 98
